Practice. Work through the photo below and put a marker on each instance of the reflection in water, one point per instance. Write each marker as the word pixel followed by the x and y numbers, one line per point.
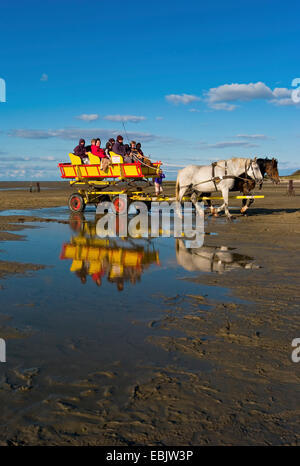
pixel 118 259
pixel 121 260
pixel 211 259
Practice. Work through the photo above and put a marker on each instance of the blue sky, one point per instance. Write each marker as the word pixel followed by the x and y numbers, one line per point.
pixel 193 81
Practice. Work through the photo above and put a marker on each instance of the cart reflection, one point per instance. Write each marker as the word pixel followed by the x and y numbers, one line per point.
pixel 119 260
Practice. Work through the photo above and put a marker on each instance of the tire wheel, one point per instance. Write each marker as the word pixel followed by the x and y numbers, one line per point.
pixel 76 203
pixel 119 205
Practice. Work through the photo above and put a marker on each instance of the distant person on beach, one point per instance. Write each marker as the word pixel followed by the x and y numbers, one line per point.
pixel 80 151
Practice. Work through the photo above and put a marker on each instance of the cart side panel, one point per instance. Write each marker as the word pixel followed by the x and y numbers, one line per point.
pixel 132 170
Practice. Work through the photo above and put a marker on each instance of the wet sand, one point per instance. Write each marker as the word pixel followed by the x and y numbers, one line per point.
pixel 249 395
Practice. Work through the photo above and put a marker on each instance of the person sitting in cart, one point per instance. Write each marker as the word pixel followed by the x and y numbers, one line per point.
pixel 158 182
pixel 89 148
pixel 96 149
pixel 127 157
pixel 111 141
pixel 134 153
pixel 118 147
pixel 81 152
pixel 145 160
pixel 139 149
pixel 108 148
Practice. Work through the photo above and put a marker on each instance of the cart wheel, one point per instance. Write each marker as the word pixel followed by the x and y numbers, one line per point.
pixel 76 203
pixel 119 205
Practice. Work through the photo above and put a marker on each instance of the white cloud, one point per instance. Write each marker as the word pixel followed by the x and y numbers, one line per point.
pixel 44 77
pixel 218 97
pixel 181 98
pixel 283 102
pixel 223 106
pixel 77 133
pixel 233 92
pixel 33 133
pixel 194 110
pixel 225 144
pixel 49 158
pixel 281 92
pixel 251 136
pixel 158 118
pixel 125 118
pixel 88 116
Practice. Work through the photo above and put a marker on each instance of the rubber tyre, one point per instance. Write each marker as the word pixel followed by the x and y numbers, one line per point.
pixel 76 203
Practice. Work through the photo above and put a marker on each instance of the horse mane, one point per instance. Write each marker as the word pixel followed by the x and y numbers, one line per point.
pixel 266 159
pixel 241 161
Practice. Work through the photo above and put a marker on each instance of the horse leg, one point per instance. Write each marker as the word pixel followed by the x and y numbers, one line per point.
pixel 179 197
pixel 245 206
pixel 248 186
pixel 225 194
pixel 194 199
pixel 213 211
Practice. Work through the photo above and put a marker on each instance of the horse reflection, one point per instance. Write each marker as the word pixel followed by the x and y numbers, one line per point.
pixel 211 259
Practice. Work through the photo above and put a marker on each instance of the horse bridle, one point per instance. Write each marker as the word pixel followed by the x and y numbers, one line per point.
pixel 251 166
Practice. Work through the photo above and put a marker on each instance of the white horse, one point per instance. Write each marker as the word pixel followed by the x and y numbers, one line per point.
pixel 220 176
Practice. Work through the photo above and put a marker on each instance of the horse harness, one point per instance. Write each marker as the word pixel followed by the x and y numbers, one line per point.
pixel 216 179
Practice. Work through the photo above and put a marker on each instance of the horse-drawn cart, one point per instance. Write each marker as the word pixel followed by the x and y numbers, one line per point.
pixel 96 185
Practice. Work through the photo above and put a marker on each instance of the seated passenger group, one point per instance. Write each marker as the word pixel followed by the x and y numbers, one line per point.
pixel 130 154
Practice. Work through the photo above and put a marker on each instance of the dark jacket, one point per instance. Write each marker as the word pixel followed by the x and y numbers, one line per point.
pixel 80 150
pixel 119 148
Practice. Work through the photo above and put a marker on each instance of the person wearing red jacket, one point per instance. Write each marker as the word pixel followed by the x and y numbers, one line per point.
pixel 96 149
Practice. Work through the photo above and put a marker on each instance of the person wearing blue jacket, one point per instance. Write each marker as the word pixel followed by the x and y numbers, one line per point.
pixel 158 183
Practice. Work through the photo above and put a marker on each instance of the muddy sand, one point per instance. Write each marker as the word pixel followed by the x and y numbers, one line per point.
pixel 250 394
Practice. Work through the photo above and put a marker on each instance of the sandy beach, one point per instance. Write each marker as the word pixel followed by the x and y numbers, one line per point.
pixel 248 390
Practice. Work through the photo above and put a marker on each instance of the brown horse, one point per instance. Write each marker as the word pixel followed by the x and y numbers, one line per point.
pixel 245 184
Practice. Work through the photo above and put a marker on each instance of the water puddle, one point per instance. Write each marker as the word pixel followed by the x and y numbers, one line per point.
pixel 96 304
